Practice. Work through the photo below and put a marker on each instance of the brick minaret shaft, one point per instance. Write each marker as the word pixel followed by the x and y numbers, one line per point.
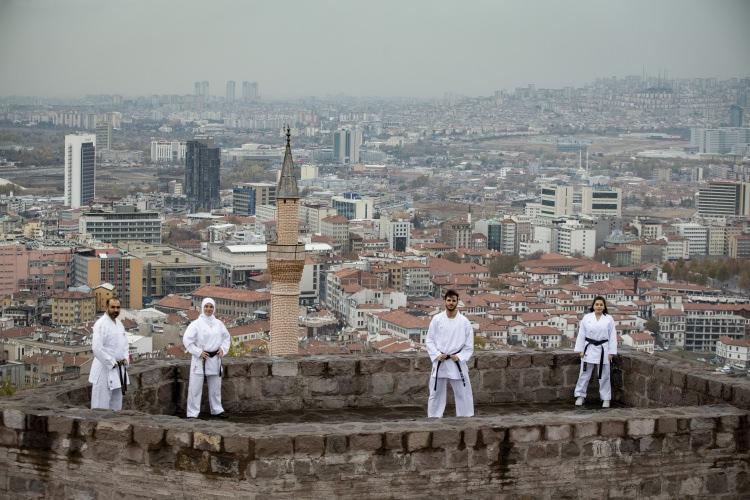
pixel 286 260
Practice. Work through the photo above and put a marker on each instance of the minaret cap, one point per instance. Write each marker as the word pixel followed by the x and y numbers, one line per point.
pixel 287 187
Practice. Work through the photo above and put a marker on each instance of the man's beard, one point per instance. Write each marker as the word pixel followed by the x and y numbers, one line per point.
pixel 451 308
pixel 114 315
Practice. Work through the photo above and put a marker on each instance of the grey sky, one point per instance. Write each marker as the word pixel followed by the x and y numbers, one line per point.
pixel 379 47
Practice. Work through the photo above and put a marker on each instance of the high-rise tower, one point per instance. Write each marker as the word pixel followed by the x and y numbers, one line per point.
pixel 202 175
pixel 80 169
pixel 286 260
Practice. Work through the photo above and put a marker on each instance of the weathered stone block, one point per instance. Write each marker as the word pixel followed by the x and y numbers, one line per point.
pixel 110 430
pixel 85 428
pixel 426 460
pixel 741 396
pixel 525 434
pixel 239 444
pixel 701 439
pixel 729 422
pixel 235 370
pixel 717 483
pixel 206 441
pixel 225 465
pixel 278 386
pixel 8 437
pixel 397 365
pixel 371 365
pixel 312 367
pixel 340 366
pixel 586 429
pixel 273 446
pixel 520 361
pixel 490 436
pixel 193 461
pixel 417 441
pixel 666 425
pixel 365 442
pixel 641 426
pixel 470 437
pixel 284 368
pixel 455 458
pixel 699 423
pixel 725 440
pixel 411 386
pixel 14 419
pixel 60 424
pixel 446 438
pixel 696 383
pixel 179 438
pixel 542 359
pixel 569 450
pixel 147 435
pixel 259 368
pixel 320 386
pixel 543 454
pixel 492 380
pixel 422 364
pixel 151 377
pixel 531 378
pixel 382 383
pixel 612 428
pixel 492 361
pixel 335 444
pixel 393 441
pixel 557 432
pixel 309 445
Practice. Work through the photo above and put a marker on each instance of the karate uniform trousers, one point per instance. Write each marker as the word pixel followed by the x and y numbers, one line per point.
pixel 597 330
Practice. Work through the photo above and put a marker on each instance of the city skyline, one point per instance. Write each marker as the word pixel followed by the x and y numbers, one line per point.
pixel 418 49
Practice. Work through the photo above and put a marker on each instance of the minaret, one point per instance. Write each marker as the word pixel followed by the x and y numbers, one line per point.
pixel 286 259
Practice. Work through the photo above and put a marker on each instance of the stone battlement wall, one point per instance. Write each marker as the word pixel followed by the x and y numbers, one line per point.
pixel 51 446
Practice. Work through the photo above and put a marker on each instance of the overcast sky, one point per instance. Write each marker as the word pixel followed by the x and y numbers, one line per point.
pixel 375 48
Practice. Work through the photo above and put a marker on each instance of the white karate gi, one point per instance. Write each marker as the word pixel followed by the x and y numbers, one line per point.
pixel 601 329
pixel 205 334
pixel 450 336
pixel 110 345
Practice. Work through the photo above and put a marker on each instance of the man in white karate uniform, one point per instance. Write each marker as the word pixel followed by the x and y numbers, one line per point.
pixel 111 357
pixel 450 344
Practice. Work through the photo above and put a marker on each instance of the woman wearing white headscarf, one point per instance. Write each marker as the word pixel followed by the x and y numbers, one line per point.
pixel 207 339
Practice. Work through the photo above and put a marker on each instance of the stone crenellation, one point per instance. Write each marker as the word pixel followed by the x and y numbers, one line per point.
pixel 668 447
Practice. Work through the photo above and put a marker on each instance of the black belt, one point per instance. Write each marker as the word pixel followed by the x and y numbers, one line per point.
pixel 601 359
pixel 122 372
pixel 458 365
pixel 211 355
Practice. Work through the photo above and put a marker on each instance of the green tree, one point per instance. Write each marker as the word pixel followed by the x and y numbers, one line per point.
pixel 503 264
pixel 479 342
pixel 652 325
pixel 7 388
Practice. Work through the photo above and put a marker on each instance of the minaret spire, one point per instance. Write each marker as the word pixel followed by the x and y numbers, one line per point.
pixel 287 187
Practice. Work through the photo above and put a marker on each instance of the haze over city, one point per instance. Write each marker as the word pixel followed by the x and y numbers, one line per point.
pixel 419 48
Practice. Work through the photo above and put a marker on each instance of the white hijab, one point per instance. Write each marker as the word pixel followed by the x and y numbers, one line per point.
pixel 208 319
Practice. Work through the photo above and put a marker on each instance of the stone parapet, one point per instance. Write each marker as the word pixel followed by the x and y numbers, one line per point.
pixel 659 450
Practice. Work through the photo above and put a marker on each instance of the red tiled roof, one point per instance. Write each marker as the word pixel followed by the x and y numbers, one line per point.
pixel 220 292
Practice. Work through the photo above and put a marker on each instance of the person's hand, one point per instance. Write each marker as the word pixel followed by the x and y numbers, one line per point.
pixel 455 358
pixel 580 354
pixel 221 353
pixel 204 355
pixel 442 357
pixel 610 357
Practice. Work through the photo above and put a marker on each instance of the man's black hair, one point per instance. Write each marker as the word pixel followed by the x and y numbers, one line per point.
pixel 450 293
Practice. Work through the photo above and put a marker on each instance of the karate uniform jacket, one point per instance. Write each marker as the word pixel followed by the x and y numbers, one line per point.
pixel 110 345
pixel 206 335
pixel 450 336
pixel 602 329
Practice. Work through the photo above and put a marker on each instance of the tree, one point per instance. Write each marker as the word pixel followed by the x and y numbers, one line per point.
pixel 503 264
pixel 652 325
pixel 531 344
pixel 7 388
pixel 479 342
pixel 452 256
